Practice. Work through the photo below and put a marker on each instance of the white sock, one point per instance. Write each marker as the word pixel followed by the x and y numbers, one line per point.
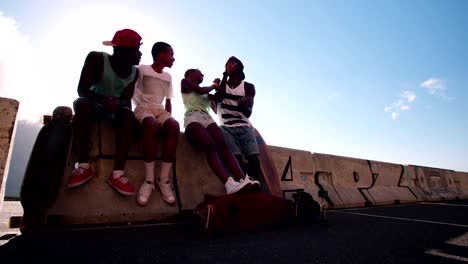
pixel 117 173
pixel 84 165
pixel 165 169
pixel 149 167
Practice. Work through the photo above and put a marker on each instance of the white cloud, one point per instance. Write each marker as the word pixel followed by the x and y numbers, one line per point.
pixel 18 73
pixel 408 95
pixel 404 107
pixel 437 87
pixel 401 104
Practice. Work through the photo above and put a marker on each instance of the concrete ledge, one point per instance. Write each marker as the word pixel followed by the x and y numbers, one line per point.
pixel 96 202
pixel 8 110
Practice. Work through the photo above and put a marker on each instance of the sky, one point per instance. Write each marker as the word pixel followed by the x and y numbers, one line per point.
pixel 380 80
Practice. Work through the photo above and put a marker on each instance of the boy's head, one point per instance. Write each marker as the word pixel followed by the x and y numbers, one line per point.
pixel 163 53
pixel 126 43
pixel 195 75
pixel 239 68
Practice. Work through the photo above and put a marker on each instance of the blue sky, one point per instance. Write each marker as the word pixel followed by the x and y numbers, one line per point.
pixel 381 80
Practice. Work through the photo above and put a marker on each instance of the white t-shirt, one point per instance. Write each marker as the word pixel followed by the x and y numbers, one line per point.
pixel 152 87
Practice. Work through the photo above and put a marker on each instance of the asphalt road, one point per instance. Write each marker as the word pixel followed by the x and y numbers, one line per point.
pixel 415 233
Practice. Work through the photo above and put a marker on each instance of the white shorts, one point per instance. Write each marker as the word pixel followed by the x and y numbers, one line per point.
pixel 201 117
pixel 160 114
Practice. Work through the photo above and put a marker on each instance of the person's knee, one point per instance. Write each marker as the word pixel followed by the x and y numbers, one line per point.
pixel 126 115
pixel 172 126
pixel 149 126
pixel 83 105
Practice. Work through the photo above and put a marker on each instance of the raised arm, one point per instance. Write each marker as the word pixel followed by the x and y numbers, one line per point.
pixel 221 89
pixel 188 86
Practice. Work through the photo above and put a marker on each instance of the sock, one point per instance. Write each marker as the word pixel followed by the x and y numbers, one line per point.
pixel 84 165
pixel 165 169
pixel 117 173
pixel 149 167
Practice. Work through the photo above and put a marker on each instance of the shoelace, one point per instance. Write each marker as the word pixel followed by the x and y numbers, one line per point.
pixel 123 179
pixel 147 190
pixel 79 170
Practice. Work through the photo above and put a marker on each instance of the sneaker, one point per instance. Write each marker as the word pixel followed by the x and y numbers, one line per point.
pixel 167 192
pixel 232 186
pixel 145 192
pixel 121 184
pixel 255 184
pixel 79 176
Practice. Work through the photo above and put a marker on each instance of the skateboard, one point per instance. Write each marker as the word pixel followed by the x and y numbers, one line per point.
pixel 45 169
pixel 269 173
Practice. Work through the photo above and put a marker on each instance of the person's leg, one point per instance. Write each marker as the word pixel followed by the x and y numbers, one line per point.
pixel 224 152
pixel 82 127
pixel 150 128
pixel 250 150
pixel 124 119
pixel 124 137
pixel 253 166
pixel 200 138
pixel 171 132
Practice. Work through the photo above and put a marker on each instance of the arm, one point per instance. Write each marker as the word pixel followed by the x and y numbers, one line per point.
pixel 90 74
pixel 246 103
pixel 168 106
pixel 188 86
pixel 221 89
pixel 125 99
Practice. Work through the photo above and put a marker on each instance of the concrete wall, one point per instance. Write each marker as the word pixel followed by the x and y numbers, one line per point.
pixel 349 182
pixel 8 110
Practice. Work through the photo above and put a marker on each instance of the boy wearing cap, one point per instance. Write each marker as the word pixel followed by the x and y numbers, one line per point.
pixel 105 89
pixel 235 98
pixel 153 87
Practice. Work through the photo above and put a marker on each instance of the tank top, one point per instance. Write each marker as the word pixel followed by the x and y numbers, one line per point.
pixel 229 113
pixel 195 101
pixel 111 84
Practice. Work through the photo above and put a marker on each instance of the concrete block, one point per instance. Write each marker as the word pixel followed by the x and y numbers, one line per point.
pixel 8 110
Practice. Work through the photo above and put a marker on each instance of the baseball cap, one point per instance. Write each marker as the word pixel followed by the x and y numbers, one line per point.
pixel 124 38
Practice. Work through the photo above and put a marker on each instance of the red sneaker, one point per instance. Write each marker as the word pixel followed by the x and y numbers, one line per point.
pixel 79 176
pixel 121 184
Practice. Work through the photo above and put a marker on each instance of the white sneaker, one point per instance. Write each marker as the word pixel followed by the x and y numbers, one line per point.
pixel 232 186
pixel 255 184
pixel 167 192
pixel 145 192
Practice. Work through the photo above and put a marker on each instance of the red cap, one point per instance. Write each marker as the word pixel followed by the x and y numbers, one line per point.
pixel 125 38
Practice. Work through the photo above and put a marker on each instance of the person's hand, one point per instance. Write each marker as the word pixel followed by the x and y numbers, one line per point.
pixel 216 82
pixel 231 67
pixel 110 103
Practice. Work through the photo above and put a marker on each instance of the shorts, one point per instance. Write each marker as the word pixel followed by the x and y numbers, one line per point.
pixel 100 113
pixel 201 117
pixel 160 114
pixel 241 140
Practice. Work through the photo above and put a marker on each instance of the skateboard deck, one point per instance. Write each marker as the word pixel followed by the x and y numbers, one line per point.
pixel 45 169
pixel 270 175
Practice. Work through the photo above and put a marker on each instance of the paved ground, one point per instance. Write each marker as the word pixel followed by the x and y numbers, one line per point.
pixel 416 233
